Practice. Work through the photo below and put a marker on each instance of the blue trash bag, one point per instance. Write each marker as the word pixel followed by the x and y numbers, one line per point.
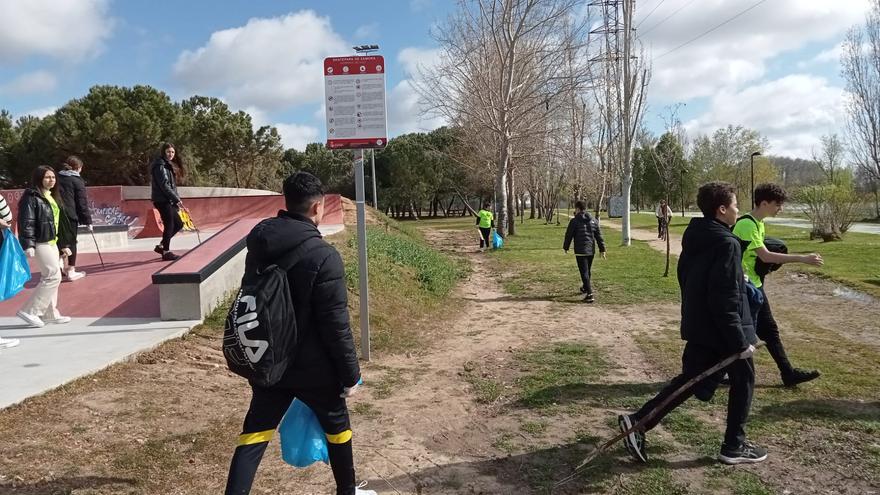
pixel 302 439
pixel 497 241
pixel 14 269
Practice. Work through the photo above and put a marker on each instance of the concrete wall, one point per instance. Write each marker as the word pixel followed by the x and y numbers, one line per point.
pixel 143 192
pixel 196 301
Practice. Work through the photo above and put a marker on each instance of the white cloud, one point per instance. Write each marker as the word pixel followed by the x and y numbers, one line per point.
pixel 32 82
pixel 413 58
pixel 38 112
pixel 404 112
pixel 738 52
pixel 792 112
pixel 267 63
pixel 297 136
pixel 57 28
pixel 367 31
pixel 831 55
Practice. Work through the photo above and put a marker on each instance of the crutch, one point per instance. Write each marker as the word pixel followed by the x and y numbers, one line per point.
pixel 638 426
pixel 98 249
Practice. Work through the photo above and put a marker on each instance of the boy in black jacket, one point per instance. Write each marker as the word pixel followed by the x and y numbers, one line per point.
pixel 584 231
pixel 325 368
pixel 715 323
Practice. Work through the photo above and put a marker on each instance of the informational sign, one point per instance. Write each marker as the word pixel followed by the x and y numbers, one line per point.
pixel 354 95
pixel 616 206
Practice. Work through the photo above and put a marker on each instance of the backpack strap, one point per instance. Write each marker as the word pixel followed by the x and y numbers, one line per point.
pixel 747 216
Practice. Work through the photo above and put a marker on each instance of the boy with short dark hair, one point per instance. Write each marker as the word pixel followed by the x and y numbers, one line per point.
pixel 769 199
pixel 715 323
pixel 584 231
pixel 324 371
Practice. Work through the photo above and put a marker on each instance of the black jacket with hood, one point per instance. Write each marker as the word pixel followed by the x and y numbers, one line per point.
pixel 583 229
pixel 325 354
pixel 73 193
pixel 714 300
pixel 37 224
pixel 163 184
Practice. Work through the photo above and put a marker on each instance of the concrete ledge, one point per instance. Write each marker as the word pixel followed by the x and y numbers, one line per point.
pixel 107 236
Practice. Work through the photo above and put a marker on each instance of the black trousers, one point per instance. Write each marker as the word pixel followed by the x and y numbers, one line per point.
pixel 171 222
pixel 267 407
pixel 484 237
pixel 694 361
pixel 585 264
pixel 661 223
pixel 768 331
pixel 74 225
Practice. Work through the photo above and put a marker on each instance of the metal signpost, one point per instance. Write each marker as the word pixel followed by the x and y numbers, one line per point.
pixel 354 94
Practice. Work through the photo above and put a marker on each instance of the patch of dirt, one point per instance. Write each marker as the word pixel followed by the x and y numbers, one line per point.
pixel 349 213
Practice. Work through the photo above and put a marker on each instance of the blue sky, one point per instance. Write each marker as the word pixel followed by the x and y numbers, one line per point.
pixel 774 68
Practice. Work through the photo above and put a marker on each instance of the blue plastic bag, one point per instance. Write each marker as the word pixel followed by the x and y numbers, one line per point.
pixel 14 269
pixel 302 439
pixel 497 241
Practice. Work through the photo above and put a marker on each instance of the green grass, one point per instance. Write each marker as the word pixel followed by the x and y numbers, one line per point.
pixel 555 374
pixel 855 261
pixel 535 266
pixel 408 280
pixel 653 480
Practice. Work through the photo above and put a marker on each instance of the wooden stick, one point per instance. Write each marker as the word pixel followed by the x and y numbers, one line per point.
pixel 639 425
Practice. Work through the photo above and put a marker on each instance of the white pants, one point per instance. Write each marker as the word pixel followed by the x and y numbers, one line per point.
pixel 44 300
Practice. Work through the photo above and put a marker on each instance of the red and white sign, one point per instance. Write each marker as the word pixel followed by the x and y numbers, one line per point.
pixel 354 95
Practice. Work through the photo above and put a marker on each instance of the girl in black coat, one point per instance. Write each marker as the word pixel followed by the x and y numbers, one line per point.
pixel 163 175
pixel 44 230
pixel 76 206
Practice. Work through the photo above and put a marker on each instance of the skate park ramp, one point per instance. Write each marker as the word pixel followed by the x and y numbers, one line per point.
pixel 117 307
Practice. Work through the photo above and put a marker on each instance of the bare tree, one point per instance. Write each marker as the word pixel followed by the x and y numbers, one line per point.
pixel 623 89
pixel 668 158
pixel 831 155
pixel 861 70
pixel 500 61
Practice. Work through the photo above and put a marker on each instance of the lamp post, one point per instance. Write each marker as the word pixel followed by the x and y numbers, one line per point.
pixel 752 168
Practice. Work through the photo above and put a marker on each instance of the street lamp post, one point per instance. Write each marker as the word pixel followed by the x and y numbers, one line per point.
pixel 752 168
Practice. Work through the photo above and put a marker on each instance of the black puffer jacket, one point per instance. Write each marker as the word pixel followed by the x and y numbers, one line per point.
pixel 714 299
pixel 73 192
pixel 163 183
pixel 584 231
pixel 37 224
pixel 325 354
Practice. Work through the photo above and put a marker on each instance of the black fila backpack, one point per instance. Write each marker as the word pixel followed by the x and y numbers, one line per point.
pixel 260 335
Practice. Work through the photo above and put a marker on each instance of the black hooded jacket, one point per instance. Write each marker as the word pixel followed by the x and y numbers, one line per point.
pixel 73 192
pixel 714 299
pixel 163 184
pixel 584 231
pixel 325 354
pixel 36 223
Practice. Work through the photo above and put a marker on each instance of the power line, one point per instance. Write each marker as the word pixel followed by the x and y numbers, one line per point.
pixel 649 13
pixel 667 18
pixel 710 30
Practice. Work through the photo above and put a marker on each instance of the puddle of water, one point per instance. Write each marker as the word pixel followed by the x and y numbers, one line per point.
pixel 853 295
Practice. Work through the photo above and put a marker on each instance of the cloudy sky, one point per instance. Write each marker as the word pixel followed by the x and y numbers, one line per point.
pixel 774 68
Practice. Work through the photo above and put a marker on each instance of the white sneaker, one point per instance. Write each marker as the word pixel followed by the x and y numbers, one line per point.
pixel 74 275
pixel 32 320
pixel 358 491
pixel 60 320
pixel 7 343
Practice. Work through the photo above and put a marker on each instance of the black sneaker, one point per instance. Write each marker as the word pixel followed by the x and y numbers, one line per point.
pixel 798 375
pixel 635 441
pixel 747 453
pixel 169 256
pixel 589 299
pixel 583 290
pixel 159 249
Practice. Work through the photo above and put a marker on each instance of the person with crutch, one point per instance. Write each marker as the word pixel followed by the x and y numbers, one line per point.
pixel 716 323
pixel 165 171
pixel 76 207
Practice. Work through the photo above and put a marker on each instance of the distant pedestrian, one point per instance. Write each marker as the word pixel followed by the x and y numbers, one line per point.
pixel 165 171
pixel 5 223
pixel 76 206
pixel 44 230
pixel 485 222
pixel 769 199
pixel 664 216
pixel 716 323
pixel 584 231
